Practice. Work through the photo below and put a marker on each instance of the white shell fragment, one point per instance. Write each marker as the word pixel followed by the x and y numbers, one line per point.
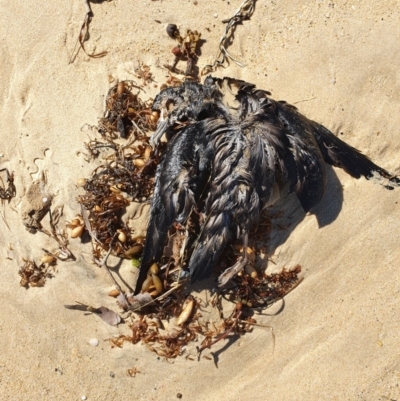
pixel 94 342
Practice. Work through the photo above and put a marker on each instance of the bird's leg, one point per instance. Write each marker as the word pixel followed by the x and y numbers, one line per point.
pixel 237 267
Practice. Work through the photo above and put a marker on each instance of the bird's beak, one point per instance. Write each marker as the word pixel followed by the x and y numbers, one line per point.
pixel 161 128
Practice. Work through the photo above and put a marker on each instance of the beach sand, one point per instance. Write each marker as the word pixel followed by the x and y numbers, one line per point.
pixel 337 336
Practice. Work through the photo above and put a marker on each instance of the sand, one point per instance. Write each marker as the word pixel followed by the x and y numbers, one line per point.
pixel 338 334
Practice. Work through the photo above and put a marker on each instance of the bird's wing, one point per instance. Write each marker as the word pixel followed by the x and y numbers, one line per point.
pixel 185 165
pixel 340 154
pixel 232 204
pixel 311 174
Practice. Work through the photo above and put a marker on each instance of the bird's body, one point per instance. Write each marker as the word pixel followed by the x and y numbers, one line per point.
pixel 229 156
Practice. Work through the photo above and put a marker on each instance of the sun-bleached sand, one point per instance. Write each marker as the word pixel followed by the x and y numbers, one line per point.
pixel 338 334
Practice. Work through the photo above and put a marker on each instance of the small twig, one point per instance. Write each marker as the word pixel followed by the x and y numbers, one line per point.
pixel 305 100
pixel 103 263
pixel 222 337
pixel 83 34
pixel 264 326
pixel 63 242
pixel 136 126
pixel 159 298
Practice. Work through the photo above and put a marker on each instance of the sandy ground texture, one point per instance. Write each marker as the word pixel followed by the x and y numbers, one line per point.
pixel 338 334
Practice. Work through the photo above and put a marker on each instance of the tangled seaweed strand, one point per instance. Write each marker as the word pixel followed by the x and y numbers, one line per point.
pixel 244 12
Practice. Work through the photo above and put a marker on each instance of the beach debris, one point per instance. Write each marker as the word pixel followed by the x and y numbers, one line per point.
pixel 7 192
pixel 244 12
pixel 81 182
pixel 187 310
pixel 230 324
pixel 114 293
pixel 107 315
pixel 142 71
pixel 84 35
pixel 35 205
pixel 126 176
pixel 94 342
pixel 190 326
pixel 126 114
pixel 190 319
pixel 49 259
pixel 59 235
pixel 263 290
pixel 77 231
pixel 77 227
pixel 33 275
pixel 186 50
pixel 171 82
pixel 132 372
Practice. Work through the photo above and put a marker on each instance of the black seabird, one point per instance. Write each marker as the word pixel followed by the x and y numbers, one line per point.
pixel 232 151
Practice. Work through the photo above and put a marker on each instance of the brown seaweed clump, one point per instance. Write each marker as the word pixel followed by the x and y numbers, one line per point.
pixel 126 114
pixel 33 275
pixel 126 176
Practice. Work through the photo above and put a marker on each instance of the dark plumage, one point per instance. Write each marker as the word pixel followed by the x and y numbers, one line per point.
pixel 231 152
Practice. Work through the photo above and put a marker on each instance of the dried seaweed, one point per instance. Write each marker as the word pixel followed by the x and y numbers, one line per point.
pixel 126 176
pixel 59 235
pixel 132 372
pixel 84 34
pixel 9 192
pixel 263 290
pixel 171 82
pixel 189 326
pixel 142 71
pixel 126 114
pixel 33 275
pixel 244 12
pixel 186 50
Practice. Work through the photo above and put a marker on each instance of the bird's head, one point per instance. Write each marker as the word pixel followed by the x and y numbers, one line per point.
pixel 183 105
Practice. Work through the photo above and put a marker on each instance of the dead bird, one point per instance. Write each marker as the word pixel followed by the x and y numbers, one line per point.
pixel 233 151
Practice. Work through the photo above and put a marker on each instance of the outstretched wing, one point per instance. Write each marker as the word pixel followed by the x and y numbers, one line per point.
pixel 340 154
